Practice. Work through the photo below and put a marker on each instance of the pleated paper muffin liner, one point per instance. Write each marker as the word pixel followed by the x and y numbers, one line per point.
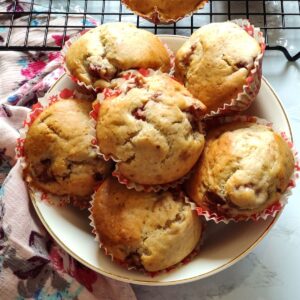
pixel 273 209
pixel 155 16
pixel 148 188
pixel 42 196
pixel 38 193
pixel 129 267
pixel 110 94
pixel 250 90
pixel 90 87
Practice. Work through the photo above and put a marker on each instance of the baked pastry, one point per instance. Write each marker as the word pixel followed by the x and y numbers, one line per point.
pixel 152 231
pixel 98 55
pixel 58 152
pixel 164 11
pixel 151 130
pixel 215 62
pixel 245 168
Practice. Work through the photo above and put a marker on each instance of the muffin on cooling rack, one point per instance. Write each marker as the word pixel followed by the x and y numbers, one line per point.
pixel 164 11
pixel 151 130
pixel 58 152
pixel 245 168
pixel 97 56
pixel 150 231
pixel 220 64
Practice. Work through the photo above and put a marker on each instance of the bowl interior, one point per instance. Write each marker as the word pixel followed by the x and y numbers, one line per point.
pixel 223 245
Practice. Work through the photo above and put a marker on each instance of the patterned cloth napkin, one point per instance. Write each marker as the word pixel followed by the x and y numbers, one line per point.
pixel 32 265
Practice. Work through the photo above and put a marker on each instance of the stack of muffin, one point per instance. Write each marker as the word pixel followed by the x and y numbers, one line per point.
pixel 147 155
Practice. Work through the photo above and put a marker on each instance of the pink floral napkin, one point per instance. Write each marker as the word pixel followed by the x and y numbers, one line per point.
pixel 32 265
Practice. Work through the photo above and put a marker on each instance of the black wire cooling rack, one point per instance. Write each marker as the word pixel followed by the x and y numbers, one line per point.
pixel 280 21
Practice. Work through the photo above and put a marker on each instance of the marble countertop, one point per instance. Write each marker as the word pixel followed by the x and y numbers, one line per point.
pixel 272 270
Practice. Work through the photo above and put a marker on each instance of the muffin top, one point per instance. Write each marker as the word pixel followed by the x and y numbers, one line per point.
pixel 151 130
pixel 164 11
pixel 58 151
pixel 215 62
pixel 143 229
pixel 245 167
pixel 97 56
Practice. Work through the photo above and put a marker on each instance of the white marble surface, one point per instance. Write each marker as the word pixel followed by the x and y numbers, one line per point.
pixel 272 270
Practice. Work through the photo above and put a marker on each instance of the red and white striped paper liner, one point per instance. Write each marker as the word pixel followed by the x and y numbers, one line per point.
pixel 253 82
pixel 36 110
pixel 129 267
pixel 274 208
pixel 124 83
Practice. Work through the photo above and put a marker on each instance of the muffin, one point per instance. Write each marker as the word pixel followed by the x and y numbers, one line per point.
pixel 144 229
pixel 164 11
pixel 151 130
pixel 58 152
pixel 100 54
pixel 215 63
pixel 245 168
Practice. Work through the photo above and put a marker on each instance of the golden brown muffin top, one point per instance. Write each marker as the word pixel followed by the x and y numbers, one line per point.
pixel 215 62
pixel 164 11
pixel 245 168
pixel 58 151
pixel 152 130
pixel 143 229
pixel 101 53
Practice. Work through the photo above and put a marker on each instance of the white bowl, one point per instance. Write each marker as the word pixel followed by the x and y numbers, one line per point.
pixel 223 246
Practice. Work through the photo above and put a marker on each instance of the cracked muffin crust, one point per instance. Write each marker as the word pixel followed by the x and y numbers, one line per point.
pixel 245 168
pixel 164 11
pixel 58 152
pixel 215 62
pixel 152 231
pixel 101 53
pixel 151 130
